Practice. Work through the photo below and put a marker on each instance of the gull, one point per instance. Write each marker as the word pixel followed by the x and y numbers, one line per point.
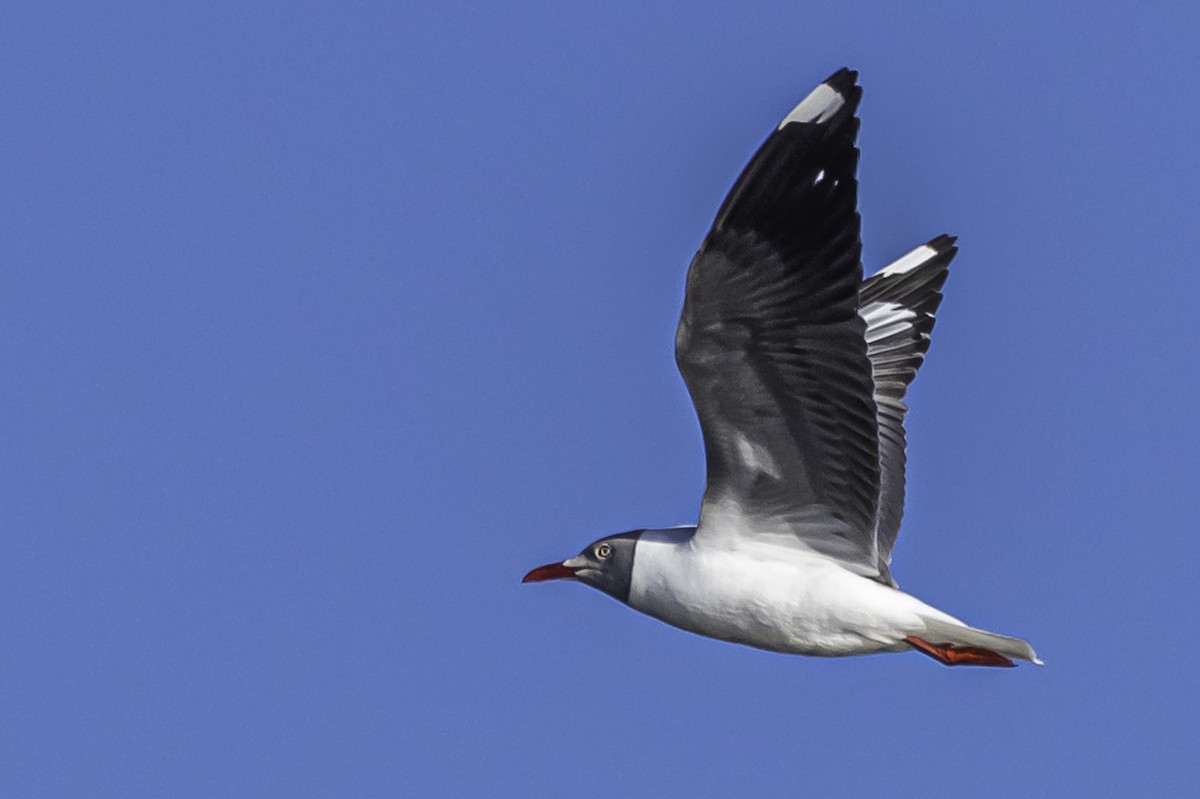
pixel 797 369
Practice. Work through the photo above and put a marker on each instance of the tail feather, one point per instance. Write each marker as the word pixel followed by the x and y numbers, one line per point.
pixel 944 632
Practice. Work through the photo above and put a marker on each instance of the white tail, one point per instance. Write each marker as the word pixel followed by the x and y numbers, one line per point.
pixel 944 632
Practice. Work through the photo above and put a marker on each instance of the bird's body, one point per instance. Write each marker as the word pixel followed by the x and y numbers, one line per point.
pixel 798 370
pixel 770 595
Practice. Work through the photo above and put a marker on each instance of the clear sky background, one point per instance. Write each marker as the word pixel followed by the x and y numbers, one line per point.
pixel 321 323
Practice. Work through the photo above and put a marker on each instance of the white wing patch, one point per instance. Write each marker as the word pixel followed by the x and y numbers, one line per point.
pixel 885 319
pixel 757 457
pixel 909 262
pixel 821 104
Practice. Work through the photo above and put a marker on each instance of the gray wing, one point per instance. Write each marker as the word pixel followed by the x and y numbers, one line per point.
pixel 898 304
pixel 773 349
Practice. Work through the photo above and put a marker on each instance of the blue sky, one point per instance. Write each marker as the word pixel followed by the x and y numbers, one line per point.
pixel 322 322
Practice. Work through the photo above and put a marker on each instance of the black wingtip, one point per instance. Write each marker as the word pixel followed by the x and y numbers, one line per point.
pixel 842 81
pixel 942 243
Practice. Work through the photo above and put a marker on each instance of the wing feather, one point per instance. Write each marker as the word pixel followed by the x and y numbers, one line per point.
pixel 772 346
pixel 898 304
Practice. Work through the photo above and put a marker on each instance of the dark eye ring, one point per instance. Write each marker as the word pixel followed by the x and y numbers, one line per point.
pixel 603 551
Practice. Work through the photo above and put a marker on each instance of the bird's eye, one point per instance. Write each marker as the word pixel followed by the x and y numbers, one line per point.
pixel 603 551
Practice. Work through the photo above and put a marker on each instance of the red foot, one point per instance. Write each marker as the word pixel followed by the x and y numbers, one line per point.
pixel 953 655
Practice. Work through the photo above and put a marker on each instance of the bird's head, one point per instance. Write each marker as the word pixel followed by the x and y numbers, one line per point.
pixel 606 564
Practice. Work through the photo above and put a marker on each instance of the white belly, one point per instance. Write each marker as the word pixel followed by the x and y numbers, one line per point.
pixel 770 596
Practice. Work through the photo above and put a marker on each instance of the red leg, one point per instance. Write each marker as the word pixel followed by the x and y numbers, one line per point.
pixel 953 655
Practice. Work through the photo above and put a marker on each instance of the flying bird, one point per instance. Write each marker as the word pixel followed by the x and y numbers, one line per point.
pixel 797 368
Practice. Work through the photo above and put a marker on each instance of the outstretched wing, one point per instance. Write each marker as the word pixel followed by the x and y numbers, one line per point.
pixel 898 304
pixel 773 349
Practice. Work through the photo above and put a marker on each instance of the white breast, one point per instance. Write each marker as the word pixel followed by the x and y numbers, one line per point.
pixel 768 595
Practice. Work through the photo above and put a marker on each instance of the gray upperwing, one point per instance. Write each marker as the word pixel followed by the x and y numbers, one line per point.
pixel 772 347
